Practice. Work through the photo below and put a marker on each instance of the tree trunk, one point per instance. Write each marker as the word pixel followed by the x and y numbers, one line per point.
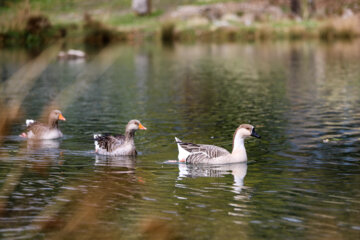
pixel 141 7
pixel 295 7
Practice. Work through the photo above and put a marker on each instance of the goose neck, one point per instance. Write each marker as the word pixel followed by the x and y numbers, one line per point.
pixel 53 123
pixel 129 135
pixel 239 146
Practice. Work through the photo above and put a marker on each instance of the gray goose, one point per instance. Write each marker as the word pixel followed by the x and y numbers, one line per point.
pixel 118 145
pixel 50 130
pixel 210 154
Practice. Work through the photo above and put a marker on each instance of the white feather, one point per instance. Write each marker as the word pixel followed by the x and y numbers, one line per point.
pixel 183 154
pixel 97 135
pixel 96 142
pixel 29 122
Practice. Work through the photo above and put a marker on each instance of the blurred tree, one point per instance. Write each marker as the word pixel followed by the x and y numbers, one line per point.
pixel 141 7
pixel 295 7
pixel 303 8
pixel 6 3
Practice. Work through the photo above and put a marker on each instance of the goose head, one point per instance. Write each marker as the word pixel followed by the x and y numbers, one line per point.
pixel 55 115
pixel 244 131
pixel 134 125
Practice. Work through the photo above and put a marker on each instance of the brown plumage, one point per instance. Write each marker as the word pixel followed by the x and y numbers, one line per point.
pixel 49 130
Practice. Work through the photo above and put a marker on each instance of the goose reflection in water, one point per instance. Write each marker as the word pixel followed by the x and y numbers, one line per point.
pixel 43 153
pixel 34 144
pixel 115 161
pixel 238 170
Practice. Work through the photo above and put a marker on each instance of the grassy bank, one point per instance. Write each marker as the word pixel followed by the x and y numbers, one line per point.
pixel 38 23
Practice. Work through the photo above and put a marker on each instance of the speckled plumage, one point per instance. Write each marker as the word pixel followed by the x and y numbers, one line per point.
pixel 210 154
pixel 118 145
pixel 201 152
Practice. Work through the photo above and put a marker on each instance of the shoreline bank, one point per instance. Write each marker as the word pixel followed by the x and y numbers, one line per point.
pixel 209 23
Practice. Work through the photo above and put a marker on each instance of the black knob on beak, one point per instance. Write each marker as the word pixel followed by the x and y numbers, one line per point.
pixel 254 134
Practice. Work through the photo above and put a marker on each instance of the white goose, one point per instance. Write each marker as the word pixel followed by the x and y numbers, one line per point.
pixel 210 154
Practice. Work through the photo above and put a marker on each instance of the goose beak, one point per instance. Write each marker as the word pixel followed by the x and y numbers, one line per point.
pixel 142 127
pixel 254 134
pixel 61 117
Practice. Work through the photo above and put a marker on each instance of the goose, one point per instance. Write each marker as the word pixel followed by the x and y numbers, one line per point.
pixel 118 145
pixel 71 54
pixel 50 130
pixel 210 154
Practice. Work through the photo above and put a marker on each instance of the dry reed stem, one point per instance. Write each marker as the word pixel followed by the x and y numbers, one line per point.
pixel 16 88
pixel 11 181
pixel 13 93
pixel 85 212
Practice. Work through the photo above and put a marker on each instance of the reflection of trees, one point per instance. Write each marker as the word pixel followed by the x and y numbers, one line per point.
pixel 143 72
pixel 322 96
pixel 319 95
pixel 226 85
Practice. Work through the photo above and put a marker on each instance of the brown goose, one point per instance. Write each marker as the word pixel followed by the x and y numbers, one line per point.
pixel 50 130
pixel 117 145
pixel 210 154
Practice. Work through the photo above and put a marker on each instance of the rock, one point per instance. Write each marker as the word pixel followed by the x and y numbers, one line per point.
pixel 185 12
pixel 197 21
pixel 348 13
pixel 217 11
pixel 229 17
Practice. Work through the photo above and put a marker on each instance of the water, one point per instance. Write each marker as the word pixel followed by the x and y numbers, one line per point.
pixel 301 181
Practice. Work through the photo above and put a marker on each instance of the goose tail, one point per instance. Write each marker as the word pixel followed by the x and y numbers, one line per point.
pixel 183 154
pixel 96 136
pixel 29 122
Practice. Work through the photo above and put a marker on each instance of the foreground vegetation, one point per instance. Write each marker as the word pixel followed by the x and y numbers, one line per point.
pixel 39 22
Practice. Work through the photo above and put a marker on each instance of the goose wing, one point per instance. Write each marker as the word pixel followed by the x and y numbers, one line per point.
pixel 37 128
pixel 202 152
pixel 109 142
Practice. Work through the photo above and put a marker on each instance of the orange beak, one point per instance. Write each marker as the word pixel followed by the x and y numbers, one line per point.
pixel 142 127
pixel 61 117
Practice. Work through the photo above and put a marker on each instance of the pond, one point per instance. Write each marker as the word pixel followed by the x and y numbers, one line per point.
pixel 301 181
